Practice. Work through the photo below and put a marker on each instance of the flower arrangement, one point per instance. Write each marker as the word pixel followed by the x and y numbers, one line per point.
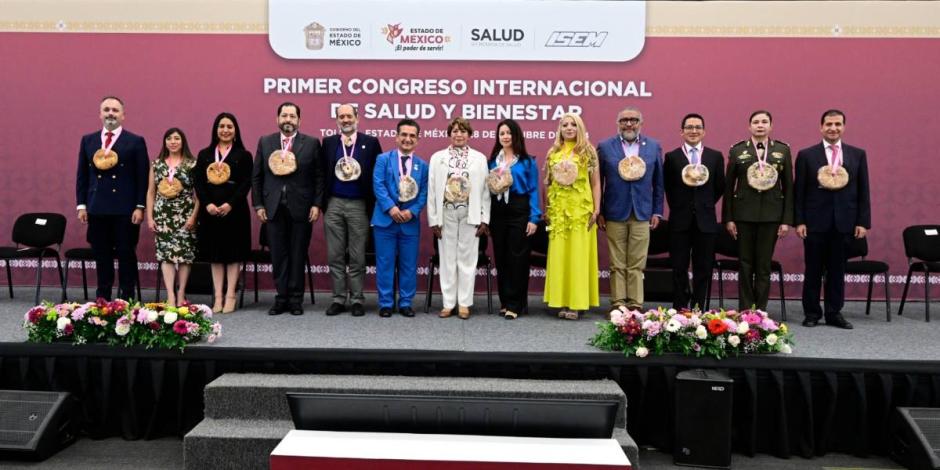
pixel 121 323
pixel 716 333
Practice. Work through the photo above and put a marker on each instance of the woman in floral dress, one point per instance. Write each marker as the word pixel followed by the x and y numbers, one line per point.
pixel 171 212
pixel 573 205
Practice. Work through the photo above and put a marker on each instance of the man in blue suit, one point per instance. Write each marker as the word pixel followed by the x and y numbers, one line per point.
pixel 111 188
pixel 828 215
pixel 631 204
pixel 396 218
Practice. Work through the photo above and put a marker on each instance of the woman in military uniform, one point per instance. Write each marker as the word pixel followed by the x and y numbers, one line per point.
pixel 758 205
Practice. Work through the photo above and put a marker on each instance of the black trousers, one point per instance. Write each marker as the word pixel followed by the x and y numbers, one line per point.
pixel 824 252
pixel 113 236
pixel 289 240
pixel 756 241
pixel 700 247
pixel 511 250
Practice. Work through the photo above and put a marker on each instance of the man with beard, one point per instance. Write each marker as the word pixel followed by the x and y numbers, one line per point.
pixel 112 188
pixel 287 193
pixel 632 204
pixel 349 158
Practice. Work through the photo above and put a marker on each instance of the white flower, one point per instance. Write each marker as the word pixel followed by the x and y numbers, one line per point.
pixel 672 311
pixel 122 328
pixel 673 325
pixel 151 315
pixel 743 327
pixel 701 332
pixel 695 320
pixel 785 348
pixel 62 322
pixel 771 339
pixel 734 340
pixel 642 352
pixel 170 318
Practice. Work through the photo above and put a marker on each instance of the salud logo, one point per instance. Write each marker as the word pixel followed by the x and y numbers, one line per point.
pixel 576 39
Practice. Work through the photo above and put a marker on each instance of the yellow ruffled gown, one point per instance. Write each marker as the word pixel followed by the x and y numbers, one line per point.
pixel 571 276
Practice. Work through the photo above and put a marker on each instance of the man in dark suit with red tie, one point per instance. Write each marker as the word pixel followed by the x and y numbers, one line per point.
pixel 694 179
pixel 111 188
pixel 832 205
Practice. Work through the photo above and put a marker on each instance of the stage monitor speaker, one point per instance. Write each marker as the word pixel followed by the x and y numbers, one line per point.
pixel 703 419
pixel 34 425
pixel 915 437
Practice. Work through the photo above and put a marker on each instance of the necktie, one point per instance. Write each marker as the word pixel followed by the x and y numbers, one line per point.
pixel 404 160
pixel 835 155
pixel 760 149
pixel 284 143
pixel 107 141
pixel 694 158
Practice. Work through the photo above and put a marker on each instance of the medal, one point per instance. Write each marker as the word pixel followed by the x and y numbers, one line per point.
pixel 219 172
pixel 283 162
pixel 457 189
pixel 407 186
pixel 760 175
pixel 833 176
pixel 105 158
pixel 170 187
pixel 565 172
pixel 499 180
pixel 631 168
pixel 347 168
pixel 694 174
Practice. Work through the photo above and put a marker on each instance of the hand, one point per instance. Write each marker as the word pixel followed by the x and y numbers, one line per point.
pixel 783 230
pixel 436 230
pixel 224 209
pixel 314 214
pixel 530 229
pixel 860 232
pixel 83 216
pixel 395 214
pixel 801 231
pixel 261 212
pixel 732 230
pixel 593 219
pixel 212 209
pixel 137 216
pixel 151 224
pixel 406 215
pixel 190 225
pixel 483 229
pixel 654 222
pixel 601 222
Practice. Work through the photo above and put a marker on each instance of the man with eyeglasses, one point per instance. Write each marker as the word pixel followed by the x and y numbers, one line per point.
pixel 693 176
pixel 631 204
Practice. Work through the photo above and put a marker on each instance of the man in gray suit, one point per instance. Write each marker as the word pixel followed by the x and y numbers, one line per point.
pixel 287 193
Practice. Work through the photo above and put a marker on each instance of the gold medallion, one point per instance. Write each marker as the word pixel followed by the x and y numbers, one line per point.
pixel 565 172
pixel 407 188
pixel 347 169
pixel 499 181
pixel 631 168
pixel 169 189
pixel 694 175
pixel 218 173
pixel 761 179
pixel 457 189
pixel 832 181
pixel 105 159
pixel 282 162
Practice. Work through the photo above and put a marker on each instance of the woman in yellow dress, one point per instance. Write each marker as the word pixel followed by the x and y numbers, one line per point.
pixel 573 205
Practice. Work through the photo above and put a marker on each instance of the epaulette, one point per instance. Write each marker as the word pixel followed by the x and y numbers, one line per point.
pixel 780 142
pixel 745 141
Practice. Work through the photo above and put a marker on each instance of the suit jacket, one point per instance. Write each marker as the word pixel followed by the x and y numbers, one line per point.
pixel 742 203
pixel 643 197
pixel 820 208
pixel 385 180
pixel 478 207
pixel 688 205
pixel 367 149
pixel 120 189
pixel 304 186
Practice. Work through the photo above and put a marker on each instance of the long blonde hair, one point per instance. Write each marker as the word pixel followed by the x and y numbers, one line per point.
pixel 583 147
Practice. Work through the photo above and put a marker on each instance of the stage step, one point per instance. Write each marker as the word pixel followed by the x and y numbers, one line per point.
pixel 246 415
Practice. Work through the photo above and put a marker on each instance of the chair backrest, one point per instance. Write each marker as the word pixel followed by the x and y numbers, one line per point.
pixel 922 242
pixel 483 243
pixel 857 247
pixel 538 242
pixel 659 239
pixel 39 229
pixel 726 246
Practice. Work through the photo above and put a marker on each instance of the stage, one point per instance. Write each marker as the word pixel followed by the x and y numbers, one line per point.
pixel 833 394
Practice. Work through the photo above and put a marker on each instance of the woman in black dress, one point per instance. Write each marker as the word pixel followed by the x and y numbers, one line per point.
pixel 223 179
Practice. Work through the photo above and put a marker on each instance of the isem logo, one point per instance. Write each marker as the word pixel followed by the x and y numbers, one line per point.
pixel 576 39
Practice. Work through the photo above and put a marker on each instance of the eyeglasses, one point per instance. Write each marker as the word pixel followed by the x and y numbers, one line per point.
pixel 633 121
pixel 693 128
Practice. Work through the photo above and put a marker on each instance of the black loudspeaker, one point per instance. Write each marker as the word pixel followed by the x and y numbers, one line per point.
pixel 35 425
pixel 915 437
pixel 703 419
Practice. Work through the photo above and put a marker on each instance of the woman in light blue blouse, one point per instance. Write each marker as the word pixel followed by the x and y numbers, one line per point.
pixel 514 213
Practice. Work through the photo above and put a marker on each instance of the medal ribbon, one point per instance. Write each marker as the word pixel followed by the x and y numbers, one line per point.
pixel 107 148
pixel 171 169
pixel 220 157
pixel 404 170
pixel 761 160
pixel 694 159
pixel 286 146
pixel 352 144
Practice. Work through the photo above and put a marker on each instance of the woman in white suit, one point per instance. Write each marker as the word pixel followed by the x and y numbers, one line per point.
pixel 458 213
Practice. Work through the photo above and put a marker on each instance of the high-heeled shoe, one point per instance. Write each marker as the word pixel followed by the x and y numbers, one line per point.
pixel 229 304
pixel 217 306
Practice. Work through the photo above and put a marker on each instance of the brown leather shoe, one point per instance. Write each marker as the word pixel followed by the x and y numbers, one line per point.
pixel 463 313
pixel 445 313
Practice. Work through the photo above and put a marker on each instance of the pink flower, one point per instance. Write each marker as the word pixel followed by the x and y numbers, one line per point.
pixel 752 335
pixel 180 327
pixel 211 338
pixel 192 327
pixel 769 325
pixel 618 317
pixel 652 327
pixel 79 313
pixel 217 329
pixel 68 330
pixel 35 314
pixel 752 318
pixel 63 309
pixel 732 326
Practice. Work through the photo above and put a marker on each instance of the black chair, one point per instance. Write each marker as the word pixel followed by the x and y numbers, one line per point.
pixel 538 245
pixel 727 247
pixel 86 255
pixel 859 248
pixel 483 261
pixel 34 235
pixel 657 277
pixel 263 256
pixel 922 248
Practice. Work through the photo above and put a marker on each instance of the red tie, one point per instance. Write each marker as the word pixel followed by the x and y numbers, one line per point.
pixel 107 142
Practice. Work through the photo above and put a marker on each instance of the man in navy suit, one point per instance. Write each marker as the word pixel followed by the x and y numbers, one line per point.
pixel 397 225
pixel 693 226
pixel 348 201
pixel 828 217
pixel 111 197
pixel 629 209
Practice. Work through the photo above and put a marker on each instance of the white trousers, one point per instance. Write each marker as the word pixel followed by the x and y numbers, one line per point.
pixel 458 249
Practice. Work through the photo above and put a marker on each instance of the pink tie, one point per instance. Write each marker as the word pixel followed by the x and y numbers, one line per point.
pixel 836 161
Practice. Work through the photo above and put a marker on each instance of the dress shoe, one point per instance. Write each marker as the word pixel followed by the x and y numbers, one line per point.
pixel 446 313
pixel 357 310
pixel 810 323
pixel 335 308
pixel 277 309
pixel 839 322
pixel 406 312
pixel 296 309
pixel 463 313
pixel 385 312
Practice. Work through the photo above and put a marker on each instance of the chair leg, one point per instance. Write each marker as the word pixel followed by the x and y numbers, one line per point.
pixel 58 264
pixel 489 291
pixel 783 298
pixel 721 289
pixel 887 300
pixel 907 284
pixel 65 279
pixel 140 297
pixel 9 278
pixel 39 278
pixel 256 282
pixel 427 296
pixel 84 280
pixel 927 293
pixel 313 299
pixel 871 285
pixel 708 292
pixel 158 289
pixel 243 277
